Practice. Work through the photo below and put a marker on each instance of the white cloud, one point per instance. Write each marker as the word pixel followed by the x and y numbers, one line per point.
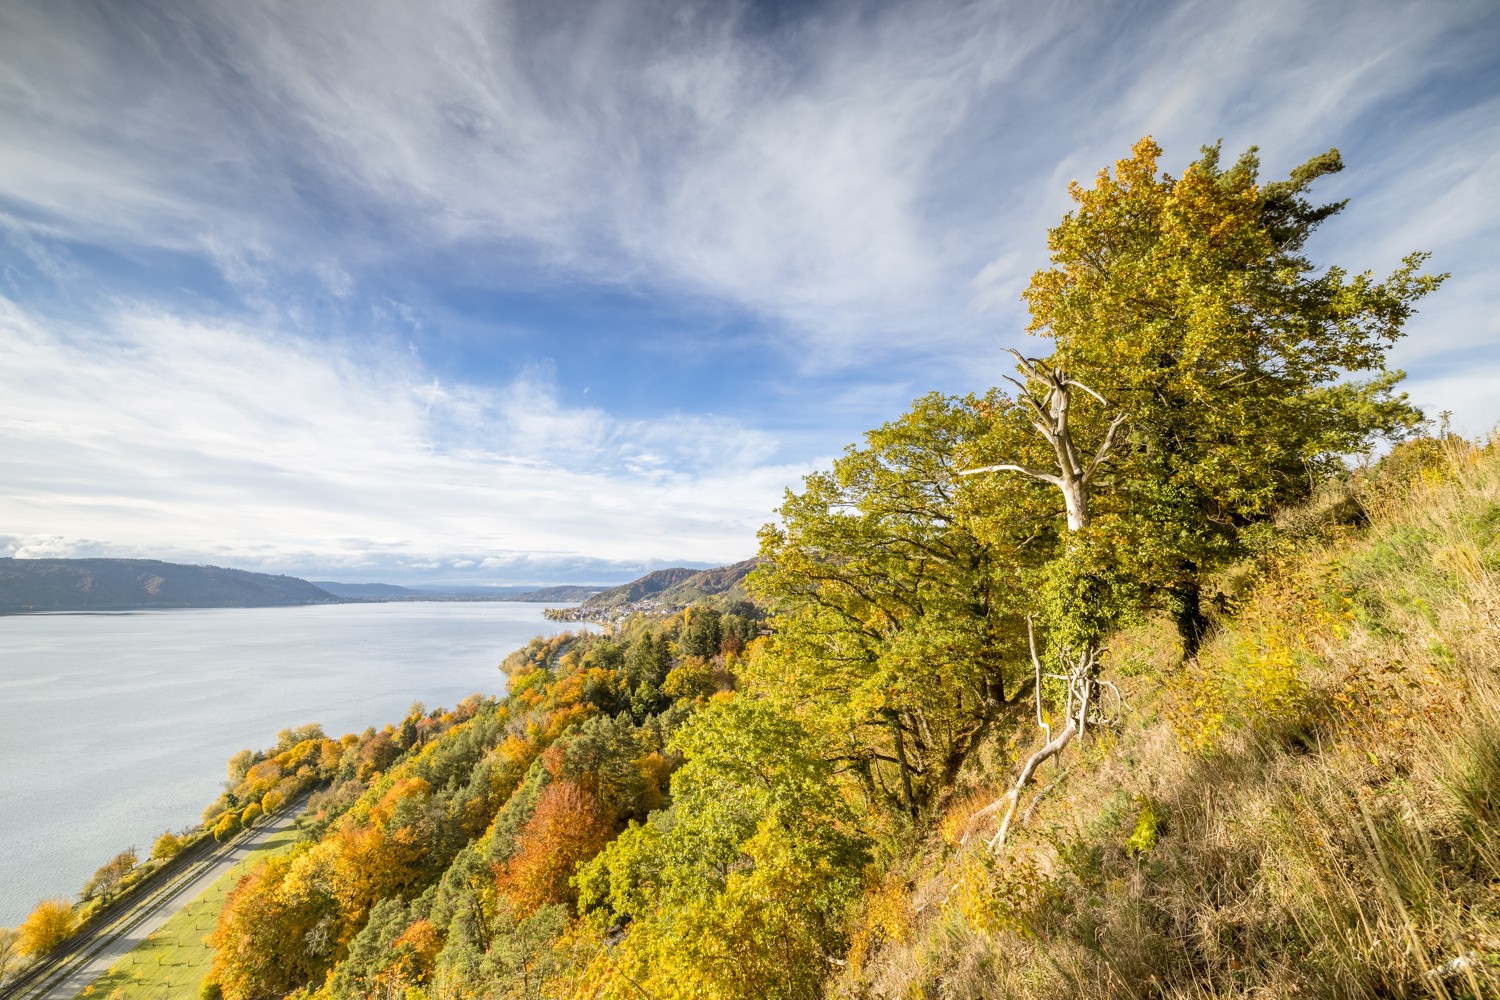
pixel 873 182
pixel 175 438
pixel 845 175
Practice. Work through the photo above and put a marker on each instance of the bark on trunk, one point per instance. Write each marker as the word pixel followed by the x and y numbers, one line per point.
pixel 908 801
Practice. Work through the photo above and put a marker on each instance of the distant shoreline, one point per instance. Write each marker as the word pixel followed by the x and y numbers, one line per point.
pixel 113 609
pixel 40 586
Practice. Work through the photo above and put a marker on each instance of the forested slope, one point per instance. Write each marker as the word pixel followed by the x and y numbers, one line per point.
pixel 29 585
pixel 679 586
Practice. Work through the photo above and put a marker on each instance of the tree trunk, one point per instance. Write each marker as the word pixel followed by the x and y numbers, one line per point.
pixel 1186 605
pixel 908 801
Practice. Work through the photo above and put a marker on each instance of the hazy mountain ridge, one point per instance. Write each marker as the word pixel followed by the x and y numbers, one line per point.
pixel 566 592
pixel 380 592
pixel 39 585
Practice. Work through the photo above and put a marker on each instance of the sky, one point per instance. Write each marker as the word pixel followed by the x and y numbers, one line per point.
pixel 479 292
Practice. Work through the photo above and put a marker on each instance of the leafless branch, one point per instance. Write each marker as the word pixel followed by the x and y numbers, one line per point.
pixel 1104 453
pixel 1045 477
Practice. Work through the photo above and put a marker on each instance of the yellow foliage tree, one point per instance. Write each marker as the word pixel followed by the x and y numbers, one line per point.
pixel 228 826
pixel 168 845
pixel 49 925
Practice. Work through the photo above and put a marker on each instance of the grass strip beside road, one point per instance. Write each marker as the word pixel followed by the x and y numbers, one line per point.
pixel 170 964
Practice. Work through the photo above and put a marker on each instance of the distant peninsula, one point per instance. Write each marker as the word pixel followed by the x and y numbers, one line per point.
pixel 35 586
pixel 663 590
pixel 39 585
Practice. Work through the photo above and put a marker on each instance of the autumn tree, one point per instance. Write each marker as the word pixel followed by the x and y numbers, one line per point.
pixel 899 626
pixel 266 941
pixel 168 845
pixel 45 928
pixel 108 877
pixel 1189 307
pixel 743 890
pixel 1184 313
pixel 227 826
pixel 376 755
pixel 10 952
pixel 567 829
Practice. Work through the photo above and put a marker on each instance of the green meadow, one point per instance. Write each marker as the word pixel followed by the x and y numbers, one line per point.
pixel 171 963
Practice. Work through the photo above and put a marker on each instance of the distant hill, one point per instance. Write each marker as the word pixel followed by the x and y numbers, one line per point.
pixel 426 592
pixel 650 585
pixel 570 592
pixel 32 585
pixel 364 589
pixel 679 586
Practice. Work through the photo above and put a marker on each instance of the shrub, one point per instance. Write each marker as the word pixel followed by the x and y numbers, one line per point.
pixel 48 926
pixel 251 814
pixel 210 990
pixel 271 802
pixel 228 826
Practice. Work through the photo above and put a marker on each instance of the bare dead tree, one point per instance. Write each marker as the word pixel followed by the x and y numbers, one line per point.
pixel 1050 409
pixel 1050 416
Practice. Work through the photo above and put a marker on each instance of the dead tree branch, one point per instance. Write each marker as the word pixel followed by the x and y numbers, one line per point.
pixel 1050 416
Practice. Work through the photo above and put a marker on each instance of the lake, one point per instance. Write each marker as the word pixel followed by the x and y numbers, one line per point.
pixel 117 726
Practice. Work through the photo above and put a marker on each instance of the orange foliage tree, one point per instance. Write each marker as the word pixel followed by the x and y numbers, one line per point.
pixel 567 829
pixel 266 942
pixel 369 866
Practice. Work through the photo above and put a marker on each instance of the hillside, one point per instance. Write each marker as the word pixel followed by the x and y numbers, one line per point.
pixel 35 585
pixel 650 585
pixel 376 591
pixel 1305 809
pixel 678 586
pixel 565 592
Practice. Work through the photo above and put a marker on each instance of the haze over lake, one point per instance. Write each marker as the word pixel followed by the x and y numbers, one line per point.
pixel 115 727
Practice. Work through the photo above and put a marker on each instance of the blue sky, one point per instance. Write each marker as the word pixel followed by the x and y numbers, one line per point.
pixel 483 292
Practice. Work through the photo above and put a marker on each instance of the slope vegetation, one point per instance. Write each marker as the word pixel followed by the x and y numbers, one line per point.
pixel 679 586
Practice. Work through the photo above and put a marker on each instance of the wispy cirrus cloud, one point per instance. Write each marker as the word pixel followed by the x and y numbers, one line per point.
pixel 219 224
pixel 846 174
pixel 217 441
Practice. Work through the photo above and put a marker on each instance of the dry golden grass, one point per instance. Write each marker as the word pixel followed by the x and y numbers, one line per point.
pixel 1312 810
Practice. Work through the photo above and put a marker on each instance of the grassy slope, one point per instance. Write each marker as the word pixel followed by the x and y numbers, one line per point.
pixel 172 962
pixel 1312 810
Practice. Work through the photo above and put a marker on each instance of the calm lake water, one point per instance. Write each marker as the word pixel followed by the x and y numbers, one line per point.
pixel 115 727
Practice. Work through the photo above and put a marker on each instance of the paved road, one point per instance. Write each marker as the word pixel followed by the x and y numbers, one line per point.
pixel 94 959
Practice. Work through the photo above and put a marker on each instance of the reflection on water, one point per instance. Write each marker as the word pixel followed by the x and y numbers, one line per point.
pixel 114 727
